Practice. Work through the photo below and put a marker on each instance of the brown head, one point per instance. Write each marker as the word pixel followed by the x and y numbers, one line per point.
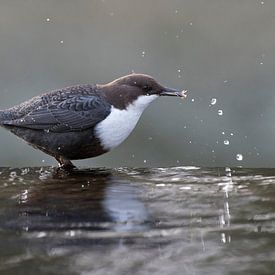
pixel 125 90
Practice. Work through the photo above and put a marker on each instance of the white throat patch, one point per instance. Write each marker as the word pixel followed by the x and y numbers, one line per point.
pixel 117 126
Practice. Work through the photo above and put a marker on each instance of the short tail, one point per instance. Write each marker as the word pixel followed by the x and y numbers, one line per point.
pixel 3 116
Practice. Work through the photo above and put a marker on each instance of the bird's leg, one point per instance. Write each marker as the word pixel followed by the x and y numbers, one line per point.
pixel 64 163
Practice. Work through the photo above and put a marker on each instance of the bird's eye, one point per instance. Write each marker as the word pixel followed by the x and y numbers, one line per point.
pixel 147 88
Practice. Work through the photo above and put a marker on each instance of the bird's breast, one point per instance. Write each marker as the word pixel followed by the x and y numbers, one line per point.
pixel 116 127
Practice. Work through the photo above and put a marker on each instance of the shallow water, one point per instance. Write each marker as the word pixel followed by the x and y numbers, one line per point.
pixel 181 220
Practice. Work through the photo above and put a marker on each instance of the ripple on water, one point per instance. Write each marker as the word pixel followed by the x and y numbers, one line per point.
pixel 154 216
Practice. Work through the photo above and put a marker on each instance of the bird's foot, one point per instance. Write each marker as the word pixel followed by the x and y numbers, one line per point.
pixel 65 164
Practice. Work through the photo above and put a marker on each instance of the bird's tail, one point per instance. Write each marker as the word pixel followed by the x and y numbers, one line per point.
pixel 3 117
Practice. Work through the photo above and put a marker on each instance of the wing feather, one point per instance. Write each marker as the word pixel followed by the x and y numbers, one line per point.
pixel 73 114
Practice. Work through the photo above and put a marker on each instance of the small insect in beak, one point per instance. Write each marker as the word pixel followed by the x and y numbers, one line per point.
pixel 173 92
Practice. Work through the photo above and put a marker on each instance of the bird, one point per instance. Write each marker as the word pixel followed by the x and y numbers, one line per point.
pixel 84 121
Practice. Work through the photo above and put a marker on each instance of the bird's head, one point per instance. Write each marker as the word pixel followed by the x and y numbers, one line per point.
pixel 139 89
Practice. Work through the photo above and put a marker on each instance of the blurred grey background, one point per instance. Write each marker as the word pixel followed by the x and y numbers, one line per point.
pixel 220 50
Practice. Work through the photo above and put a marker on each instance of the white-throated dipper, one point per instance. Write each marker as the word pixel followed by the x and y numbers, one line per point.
pixel 84 121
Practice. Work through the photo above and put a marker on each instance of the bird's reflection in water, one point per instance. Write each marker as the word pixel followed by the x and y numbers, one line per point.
pixel 88 200
pixel 121 204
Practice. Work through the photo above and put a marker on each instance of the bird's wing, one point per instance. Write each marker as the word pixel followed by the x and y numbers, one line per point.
pixel 77 113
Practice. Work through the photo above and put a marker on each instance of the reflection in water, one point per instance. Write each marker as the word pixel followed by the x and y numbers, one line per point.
pixel 180 220
pixel 224 218
pixel 86 199
pixel 126 211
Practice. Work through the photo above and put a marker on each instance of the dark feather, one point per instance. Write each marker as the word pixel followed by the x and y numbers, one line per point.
pixel 75 113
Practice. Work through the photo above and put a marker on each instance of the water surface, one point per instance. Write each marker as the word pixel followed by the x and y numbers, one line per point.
pixel 181 220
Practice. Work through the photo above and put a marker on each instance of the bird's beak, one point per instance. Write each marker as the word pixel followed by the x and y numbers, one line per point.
pixel 173 92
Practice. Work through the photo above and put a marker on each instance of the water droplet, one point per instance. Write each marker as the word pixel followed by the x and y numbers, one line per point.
pixel 41 235
pixel 213 101
pixel 25 171
pixel 261 63
pixel 193 99
pixel 48 19
pixel 220 112
pixel 239 157
pixel 231 134
pixel 223 239
pixel 160 185
pixel 179 71
pixel 176 11
pixel 143 53
pixel 191 24
pixel 145 161
pixel 226 142
pixel 61 41
pixel 71 233
pixel 185 188
pixel 13 174
pixel 223 133
pixel 262 2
